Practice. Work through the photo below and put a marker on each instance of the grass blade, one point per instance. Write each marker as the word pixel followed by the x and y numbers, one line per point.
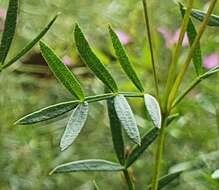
pixel 153 109
pixel 127 119
pixel 9 29
pixel 124 60
pixel 31 44
pixel 137 151
pixel 74 126
pixel 92 61
pixel 95 185
pixel 47 113
pixel 88 166
pixel 164 181
pixel 192 33
pixel 200 15
pixel 116 131
pixel 62 73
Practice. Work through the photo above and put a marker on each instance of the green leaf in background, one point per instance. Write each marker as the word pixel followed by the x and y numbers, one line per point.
pixel 88 166
pixel 62 73
pixel 74 126
pixel 153 109
pixel 164 181
pixel 127 119
pixel 116 131
pixel 215 174
pixel 197 55
pixel 137 151
pixel 200 15
pixel 92 61
pixel 48 113
pixel 124 60
pixel 9 29
pixel 31 44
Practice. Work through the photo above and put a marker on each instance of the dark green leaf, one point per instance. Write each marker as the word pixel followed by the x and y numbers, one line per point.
pixel 62 73
pixel 9 29
pixel 137 151
pixel 31 44
pixel 88 166
pixel 92 61
pixel 74 126
pixel 47 113
pixel 197 55
pixel 116 131
pixel 153 109
pixel 164 181
pixel 124 60
pixel 127 118
pixel 200 15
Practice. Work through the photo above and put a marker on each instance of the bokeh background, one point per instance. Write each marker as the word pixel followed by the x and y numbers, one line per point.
pixel 27 154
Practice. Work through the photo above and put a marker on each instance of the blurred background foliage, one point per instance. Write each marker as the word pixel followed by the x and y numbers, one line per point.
pixel 29 153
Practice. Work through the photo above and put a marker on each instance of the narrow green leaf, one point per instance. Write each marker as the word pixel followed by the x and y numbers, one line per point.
pixel 210 72
pixel 197 55
pixel 200 15
pixel 153 109
pixel 116 131
pixel 31 44
pixel 127 119
pixel 172 117
pixel 124 60
pixel 164 181
pixel 9 29
pixel 88 166
pixel 92 61
pixel 47 113
pixel 74 126
pixel 62 73
pixel 137 151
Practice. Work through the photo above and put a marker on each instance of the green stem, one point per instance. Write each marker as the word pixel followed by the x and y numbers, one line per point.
pixel 188 89
pixel 176 53
pixel 189 57
pixel 128 180
pixel 158 157
pixel 148 28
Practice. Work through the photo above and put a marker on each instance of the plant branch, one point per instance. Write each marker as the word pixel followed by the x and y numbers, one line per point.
pixel 189 57
pixel 172 69
pixel 158 158
pixel 128 180
pixel 148 28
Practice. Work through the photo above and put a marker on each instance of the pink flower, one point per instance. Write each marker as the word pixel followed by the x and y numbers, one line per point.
pixel 172 38
pixel 2 18
pixel 124 38
pixel 211 61
pixel 67 60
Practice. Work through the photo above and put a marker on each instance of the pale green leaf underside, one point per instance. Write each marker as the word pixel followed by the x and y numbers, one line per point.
pixel 146 141
pixel 9 29
pixel 153 109
pixel 31 44
pixel 116 131
pixel 127 119
pixel 197 55
pixel 92 61
pixel 48 113
pixel 74 126
pixel 88 166
pixel 62 73
pixel 124 60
